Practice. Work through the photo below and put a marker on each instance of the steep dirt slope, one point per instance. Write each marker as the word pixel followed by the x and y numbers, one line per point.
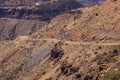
pixel 21 54
pixel 52 59
pixel 82 44
pixel 98 23
pixel 82 62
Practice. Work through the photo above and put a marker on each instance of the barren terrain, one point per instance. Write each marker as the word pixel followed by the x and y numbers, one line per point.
pixel 78 44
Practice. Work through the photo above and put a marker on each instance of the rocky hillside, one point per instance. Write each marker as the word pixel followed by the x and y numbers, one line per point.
pixel 36 15
pixel 97 23
pixel 78 44
pixel 51 59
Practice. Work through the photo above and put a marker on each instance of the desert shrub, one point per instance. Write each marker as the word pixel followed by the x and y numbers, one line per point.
pixel 57 52
pixel 49 78
pixel 68 69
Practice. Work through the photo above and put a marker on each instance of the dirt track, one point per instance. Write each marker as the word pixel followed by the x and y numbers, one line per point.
pixel 83 43
pixel 72 42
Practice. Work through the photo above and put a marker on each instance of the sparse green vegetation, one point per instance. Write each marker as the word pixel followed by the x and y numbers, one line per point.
pixel 112 75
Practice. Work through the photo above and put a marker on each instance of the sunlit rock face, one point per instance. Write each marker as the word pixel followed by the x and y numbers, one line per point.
pixel 90 2
pixel 100 1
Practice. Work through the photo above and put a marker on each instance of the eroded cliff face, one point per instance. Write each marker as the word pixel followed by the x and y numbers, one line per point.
pixel 18 2
pixel 39 10
pixel 11 28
